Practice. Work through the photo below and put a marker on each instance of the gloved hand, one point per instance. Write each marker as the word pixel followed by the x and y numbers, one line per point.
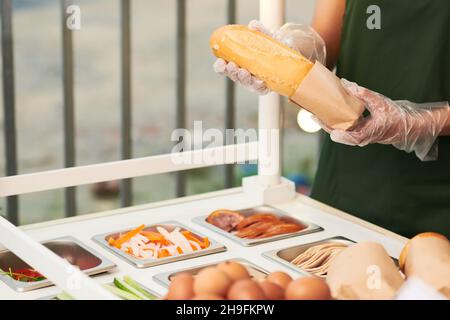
pixel 299 37
pixel 406 125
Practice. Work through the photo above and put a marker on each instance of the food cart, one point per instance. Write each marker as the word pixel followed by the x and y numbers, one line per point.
pixel 84 239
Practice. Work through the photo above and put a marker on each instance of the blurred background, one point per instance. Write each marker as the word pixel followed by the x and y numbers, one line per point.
pixel 38 69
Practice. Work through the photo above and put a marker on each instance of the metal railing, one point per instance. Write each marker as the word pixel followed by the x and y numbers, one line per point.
pixel 69 108
pixel 180 182
pixel 12 203
pixel 230 98
pixel 126 192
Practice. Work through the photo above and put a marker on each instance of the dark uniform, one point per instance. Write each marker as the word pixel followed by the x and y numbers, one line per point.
pixel 407 59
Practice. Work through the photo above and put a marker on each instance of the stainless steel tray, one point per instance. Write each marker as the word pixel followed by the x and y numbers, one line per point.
pixel 254 270
pixel 69 248
pixel 214 247
pixel 157 295
pixel 286 255
pixel 310 227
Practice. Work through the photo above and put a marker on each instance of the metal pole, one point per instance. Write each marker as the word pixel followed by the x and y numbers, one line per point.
pixel 68 110
pixel 282 133
pixel 126 196
pixel 12 203
pixel 230 99
pixel 181 84
pixel 269 171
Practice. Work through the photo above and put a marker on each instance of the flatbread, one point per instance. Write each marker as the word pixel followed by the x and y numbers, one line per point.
pixel 316 259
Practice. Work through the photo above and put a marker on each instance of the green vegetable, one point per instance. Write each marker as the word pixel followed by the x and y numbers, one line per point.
pixel 128 280
pixel 64 296
pixel 125 295
pixel 126 287
pixel 21 276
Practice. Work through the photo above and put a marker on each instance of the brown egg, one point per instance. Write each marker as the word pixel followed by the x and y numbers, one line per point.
pixel 271 290
pixel 181 287
pixel 211 280
pixel 207 296
pixel 245 289
pixel 308 288
pixel 279 278
pixel 235 271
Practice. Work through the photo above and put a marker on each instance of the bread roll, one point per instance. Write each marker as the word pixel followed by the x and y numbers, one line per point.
pixel 427 256
pixel 364 271
pixel 281 67
pixel 287 72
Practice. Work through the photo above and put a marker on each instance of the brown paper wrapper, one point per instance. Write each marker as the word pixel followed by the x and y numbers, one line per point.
pixel 429 259
pixel 363 271
pixel 322 94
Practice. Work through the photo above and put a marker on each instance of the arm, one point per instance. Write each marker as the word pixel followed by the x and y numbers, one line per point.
pixel 327 21
pixel 406 125
pixel 446 130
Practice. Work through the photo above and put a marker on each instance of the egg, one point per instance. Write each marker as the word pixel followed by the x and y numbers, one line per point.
pixel 211 280
pixel 181 287
pixel 235 271
pixel 279 278
pixel 207 296
pixel 308 288
pixel 245 289
pixel 271 290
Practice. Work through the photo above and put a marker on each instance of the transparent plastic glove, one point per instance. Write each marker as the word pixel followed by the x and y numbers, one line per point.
pixel 241 76
pixel 406 125
pixel 302 38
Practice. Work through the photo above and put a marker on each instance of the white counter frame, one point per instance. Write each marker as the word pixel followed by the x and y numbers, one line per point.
pixel 333 221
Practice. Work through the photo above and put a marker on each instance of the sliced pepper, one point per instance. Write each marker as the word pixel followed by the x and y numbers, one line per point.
pixel 127 236
pixel 153 236
pixel 163 253
pixel 111 241
pixel 206 243
pixel 203 244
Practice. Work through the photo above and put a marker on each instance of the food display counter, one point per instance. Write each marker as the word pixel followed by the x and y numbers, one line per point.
pixel 263 257
pixel 264 226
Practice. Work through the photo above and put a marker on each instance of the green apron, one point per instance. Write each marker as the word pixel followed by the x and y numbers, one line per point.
pixel 408 58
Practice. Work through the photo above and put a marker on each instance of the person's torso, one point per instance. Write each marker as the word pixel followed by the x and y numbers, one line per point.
pixel 399 48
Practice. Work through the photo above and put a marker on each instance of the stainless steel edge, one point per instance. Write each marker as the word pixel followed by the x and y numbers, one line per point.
pixel 20 286
pixel 164 278
pixel 157 295
pixel 273 254
pixel 311 227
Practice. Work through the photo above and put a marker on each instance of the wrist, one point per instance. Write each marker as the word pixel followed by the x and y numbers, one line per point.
pixel 446 129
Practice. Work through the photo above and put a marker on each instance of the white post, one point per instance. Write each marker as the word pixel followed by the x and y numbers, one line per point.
pixel 268 187
pixel 269 168
pixel 60 272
